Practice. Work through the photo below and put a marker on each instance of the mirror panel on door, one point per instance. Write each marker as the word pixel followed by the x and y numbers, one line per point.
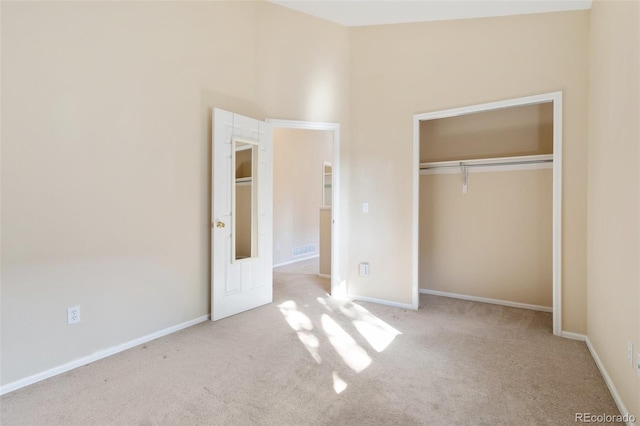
pixel 244 235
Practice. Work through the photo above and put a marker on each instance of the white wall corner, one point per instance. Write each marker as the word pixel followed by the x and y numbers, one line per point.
pixel 612 387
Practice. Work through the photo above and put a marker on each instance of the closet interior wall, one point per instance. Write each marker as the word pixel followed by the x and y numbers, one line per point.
pixel 495 240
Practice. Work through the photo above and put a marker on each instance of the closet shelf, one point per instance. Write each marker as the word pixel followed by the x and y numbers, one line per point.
pixel 523 160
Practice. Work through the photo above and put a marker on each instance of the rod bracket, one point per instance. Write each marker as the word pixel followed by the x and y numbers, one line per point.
pixel 464 173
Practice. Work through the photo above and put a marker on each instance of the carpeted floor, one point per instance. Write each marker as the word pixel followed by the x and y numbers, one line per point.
pixel 310 359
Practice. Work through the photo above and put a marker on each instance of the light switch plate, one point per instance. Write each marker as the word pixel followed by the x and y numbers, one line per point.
pixel 364 269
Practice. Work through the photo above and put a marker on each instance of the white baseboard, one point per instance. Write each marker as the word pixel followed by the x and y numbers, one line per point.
pixel 10 387
pixel 607 380
pixel 325 276
pixel 380 301
pixel 573 336
pixel 603 371
pixel 487 300
pixel 296 260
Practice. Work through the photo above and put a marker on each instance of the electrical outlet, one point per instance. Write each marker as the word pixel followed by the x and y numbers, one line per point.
pixel 630 352
pixel 73 315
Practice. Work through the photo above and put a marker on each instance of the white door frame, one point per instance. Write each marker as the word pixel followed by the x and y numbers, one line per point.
pixel 335 185
pixel 556 99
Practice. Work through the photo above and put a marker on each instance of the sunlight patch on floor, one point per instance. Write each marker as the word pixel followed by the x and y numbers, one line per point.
pixel 377 337
pixel 302 326
pixel 375 331
pixel 378 333
pixel 339 385
pixel 296 319
pixel 352 354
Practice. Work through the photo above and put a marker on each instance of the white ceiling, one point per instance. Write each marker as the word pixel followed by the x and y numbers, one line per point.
pixel 353 13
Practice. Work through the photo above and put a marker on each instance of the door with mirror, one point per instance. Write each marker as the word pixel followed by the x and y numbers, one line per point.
pixel 242 214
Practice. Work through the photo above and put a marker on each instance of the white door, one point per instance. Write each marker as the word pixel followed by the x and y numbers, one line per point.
pixel 242 214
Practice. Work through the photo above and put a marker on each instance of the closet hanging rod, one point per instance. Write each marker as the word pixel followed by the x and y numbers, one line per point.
pixel 492 164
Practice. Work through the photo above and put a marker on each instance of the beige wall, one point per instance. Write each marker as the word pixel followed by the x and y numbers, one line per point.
pixel 614 192
pixel 298 157
pixel 325 241
pixel 401 70
pixel 525 130
pixel 494 241
pixel 106 138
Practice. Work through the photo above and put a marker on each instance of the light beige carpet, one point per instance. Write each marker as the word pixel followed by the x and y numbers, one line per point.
pixel 309 359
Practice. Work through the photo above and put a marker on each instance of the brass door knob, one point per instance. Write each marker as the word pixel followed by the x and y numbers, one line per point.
pixel 219 224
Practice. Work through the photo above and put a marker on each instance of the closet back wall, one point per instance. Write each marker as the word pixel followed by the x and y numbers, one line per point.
pixel 494 241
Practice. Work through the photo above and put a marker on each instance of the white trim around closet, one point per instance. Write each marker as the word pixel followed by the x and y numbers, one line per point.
pixel 556 99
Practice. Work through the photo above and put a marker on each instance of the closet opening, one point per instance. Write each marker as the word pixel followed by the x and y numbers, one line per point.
pixel 487 203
